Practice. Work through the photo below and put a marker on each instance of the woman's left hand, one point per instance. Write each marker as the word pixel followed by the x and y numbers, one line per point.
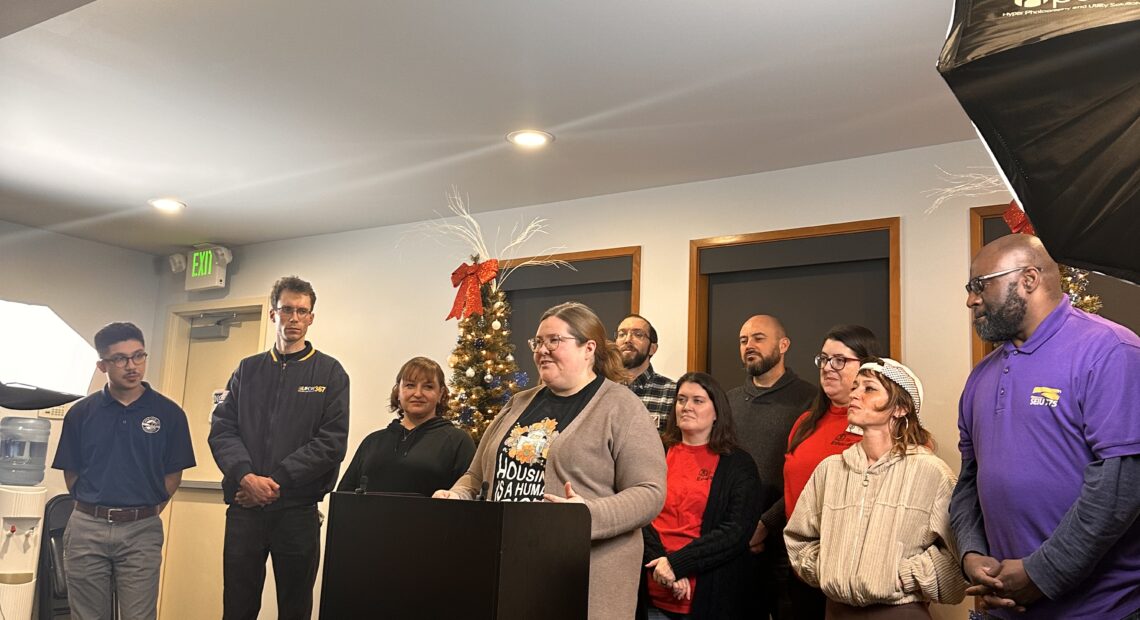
pixel 662 572
pixel 571 497
pixel 682 591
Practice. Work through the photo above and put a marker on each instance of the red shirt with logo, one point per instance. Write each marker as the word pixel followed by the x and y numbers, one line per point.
pixel 689 478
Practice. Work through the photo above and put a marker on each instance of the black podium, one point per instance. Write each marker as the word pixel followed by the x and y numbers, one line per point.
pixel 390 556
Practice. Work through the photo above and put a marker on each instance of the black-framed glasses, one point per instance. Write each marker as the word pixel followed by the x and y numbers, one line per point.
pixel 837 362
pixel 633 334
pixel 288 311
pixel 978 284
pixel 120 361
pixel 550 342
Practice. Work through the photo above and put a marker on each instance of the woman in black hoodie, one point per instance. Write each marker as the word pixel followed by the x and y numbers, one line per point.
pixel 420 451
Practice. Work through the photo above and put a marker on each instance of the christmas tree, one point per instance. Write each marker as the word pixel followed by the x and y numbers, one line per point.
pixel 484 373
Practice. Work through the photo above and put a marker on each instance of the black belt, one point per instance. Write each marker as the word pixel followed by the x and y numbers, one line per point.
pixel 116 515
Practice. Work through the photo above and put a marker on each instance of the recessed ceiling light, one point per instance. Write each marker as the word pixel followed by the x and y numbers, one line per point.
pixel 167 205
pixel 530 138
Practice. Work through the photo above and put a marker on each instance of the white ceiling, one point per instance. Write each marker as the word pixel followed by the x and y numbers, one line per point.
pixel 276 119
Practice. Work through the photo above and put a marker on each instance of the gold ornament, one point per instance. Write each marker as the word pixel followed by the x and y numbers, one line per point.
pixel 1074 282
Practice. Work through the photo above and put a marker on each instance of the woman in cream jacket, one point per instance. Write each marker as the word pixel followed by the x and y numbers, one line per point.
pixel 872 527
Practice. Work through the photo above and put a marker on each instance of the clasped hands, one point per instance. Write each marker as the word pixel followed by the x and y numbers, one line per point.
pixel 663 574
pixel 1003 584
pixel 257 491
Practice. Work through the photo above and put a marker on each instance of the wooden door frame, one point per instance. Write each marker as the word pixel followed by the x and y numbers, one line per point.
pixel 697 358
pixel 978 215
pixel 632 251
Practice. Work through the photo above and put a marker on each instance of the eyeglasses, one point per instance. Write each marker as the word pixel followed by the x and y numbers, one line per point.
pixel 837 362
pixel 978 284
pixel 632 334
pixel 120 361
pixel 550 342
pixel 288 311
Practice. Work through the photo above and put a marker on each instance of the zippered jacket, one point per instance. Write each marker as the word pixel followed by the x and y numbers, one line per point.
pixel 879 533
pixel 286 419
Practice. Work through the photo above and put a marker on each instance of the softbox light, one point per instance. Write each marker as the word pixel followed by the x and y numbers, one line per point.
pixel 1053 88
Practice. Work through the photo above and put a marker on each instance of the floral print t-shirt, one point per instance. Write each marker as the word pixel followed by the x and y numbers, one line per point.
pixel 520 467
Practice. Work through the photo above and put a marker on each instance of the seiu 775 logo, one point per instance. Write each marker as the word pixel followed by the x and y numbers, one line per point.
pixel 1045 396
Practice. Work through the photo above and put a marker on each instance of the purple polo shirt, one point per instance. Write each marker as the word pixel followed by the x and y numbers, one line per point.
pixel 1033 418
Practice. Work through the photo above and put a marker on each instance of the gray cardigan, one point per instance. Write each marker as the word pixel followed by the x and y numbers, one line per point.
pixel 613 457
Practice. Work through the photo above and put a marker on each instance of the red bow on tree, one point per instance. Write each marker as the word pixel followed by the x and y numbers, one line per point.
pixel 1017 220
pixel 470 280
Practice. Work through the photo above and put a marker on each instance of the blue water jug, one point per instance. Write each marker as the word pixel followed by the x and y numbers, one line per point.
pixel 23 450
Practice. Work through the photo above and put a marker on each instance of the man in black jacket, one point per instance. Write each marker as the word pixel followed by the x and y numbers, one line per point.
pixel 278 436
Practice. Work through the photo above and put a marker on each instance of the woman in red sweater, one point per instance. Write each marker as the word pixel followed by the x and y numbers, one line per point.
pixel 696 550
pixel 822 431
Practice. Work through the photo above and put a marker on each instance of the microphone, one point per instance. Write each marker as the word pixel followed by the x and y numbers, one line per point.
pixel 482 496
pixel 363 488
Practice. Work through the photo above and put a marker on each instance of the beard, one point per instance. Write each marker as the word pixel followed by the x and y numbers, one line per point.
pixel 763 364
pixel 1004 322
pixel 636 358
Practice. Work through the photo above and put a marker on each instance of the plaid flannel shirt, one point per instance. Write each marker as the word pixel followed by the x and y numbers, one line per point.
pixel 657 392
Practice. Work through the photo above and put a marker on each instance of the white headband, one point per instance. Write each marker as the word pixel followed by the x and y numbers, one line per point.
pixel 901 375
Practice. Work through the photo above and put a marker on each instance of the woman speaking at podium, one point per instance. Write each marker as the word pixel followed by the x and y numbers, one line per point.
pixel 582 437
pixel 420 451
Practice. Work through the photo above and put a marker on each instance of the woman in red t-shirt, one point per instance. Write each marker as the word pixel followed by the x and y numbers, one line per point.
pixel 822 431
pixel 696 550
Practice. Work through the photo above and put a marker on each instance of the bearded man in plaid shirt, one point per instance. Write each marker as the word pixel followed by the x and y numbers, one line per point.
pixel 637 341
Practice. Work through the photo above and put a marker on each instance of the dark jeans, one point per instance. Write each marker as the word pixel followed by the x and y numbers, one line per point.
pixel 291 536
pixel 771 574
pixel 808 603
pixel 659 614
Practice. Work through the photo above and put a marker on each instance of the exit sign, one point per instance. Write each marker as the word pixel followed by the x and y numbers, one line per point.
pixel 201 263
pixel 204 271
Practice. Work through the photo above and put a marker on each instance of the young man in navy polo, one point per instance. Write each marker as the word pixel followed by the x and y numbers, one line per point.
pixel 122 453
pixel 279 435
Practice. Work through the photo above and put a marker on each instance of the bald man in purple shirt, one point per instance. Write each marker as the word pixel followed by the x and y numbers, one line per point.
pixel 1046 506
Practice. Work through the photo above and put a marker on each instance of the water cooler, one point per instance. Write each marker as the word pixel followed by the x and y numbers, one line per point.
pixel 23 448
pixel 21 517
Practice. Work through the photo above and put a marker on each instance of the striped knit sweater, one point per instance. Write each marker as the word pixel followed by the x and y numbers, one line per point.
pixel 877 534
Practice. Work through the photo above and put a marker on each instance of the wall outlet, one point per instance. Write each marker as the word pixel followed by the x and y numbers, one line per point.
pixel 55 413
